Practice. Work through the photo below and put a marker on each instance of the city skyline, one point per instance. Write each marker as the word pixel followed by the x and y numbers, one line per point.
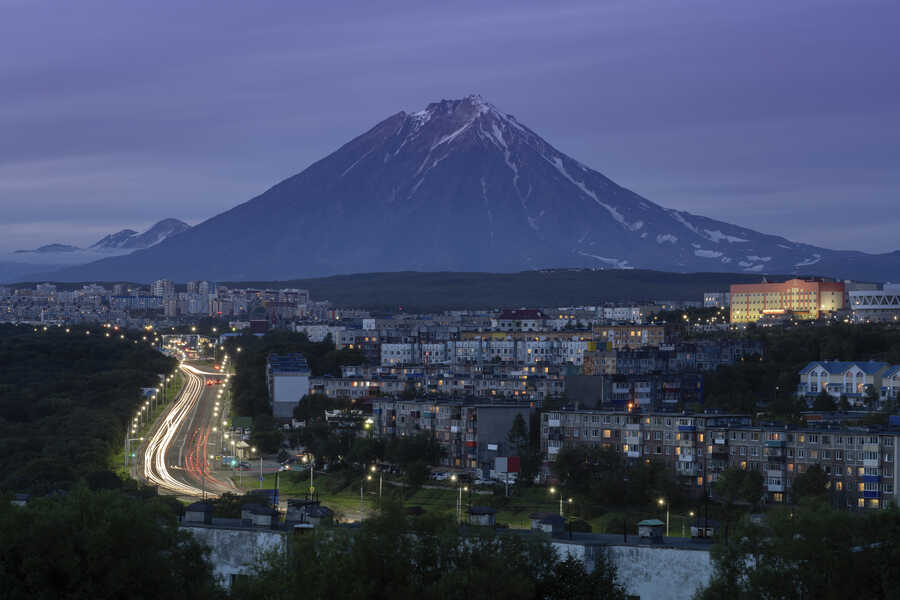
pixel 773 118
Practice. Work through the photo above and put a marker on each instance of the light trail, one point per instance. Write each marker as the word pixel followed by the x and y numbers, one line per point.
pixel 155 468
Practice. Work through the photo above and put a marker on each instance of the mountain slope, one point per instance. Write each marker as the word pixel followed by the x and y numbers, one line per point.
pixel 460 186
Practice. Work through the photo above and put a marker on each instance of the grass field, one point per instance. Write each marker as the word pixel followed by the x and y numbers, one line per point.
pixel 342 495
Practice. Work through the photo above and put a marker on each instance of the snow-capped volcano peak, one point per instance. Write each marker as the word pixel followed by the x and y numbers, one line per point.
pixel 462 186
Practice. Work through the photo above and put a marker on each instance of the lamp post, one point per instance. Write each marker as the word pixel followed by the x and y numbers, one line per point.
pixel 362 483
pixel 662 502
pixel 128 441
pixel 690 514
pixel 553 490
pixel 373 468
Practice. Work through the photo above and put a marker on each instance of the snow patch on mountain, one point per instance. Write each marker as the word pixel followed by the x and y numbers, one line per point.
pixel 666 238
pixel 558 163
pixel 809 261
pixel 707 253
pixel 614 262
pixel 755 258
pixel 717 236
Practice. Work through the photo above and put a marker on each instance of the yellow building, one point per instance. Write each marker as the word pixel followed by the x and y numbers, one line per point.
pixel 804 299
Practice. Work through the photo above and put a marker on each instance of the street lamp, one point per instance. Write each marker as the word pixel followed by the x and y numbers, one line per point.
pixel 662 502
pixel 373 468
pixel 553 490
pixel 690 514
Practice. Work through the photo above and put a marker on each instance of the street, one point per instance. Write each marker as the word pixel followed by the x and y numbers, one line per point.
pixel 176 456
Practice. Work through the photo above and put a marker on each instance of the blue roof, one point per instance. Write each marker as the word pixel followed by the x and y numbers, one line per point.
pixel 892 371
pixel 288 363
pixel 835 366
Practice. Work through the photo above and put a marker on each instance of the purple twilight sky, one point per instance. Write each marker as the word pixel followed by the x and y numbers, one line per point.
pixel 779 116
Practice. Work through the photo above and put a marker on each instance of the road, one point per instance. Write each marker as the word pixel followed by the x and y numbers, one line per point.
pixel 176 457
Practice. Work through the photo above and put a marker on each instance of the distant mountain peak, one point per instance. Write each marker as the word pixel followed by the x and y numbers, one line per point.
pixel 129 239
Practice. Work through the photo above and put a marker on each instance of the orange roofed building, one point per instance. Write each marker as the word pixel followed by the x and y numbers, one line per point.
pixel 804 299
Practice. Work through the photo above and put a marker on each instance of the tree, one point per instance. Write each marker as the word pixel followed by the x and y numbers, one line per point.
pixel 738 487
pixel 392 556
pixel 811 484
pixel 570 580
pixel 518 436
pixel 810 551
pixel 824 402
pixel 104 544
pixel 871 398
pixel 409 391
pixel 844 404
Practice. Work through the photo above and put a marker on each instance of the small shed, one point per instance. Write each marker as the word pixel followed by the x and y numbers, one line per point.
pixel 319 514
pixel 482 515
pixel 547 522
pixel 651 529
pixel 704 528
pixel 198 512
pixel 258 515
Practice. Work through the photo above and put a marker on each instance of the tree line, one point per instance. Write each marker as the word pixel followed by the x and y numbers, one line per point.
pixel 65 402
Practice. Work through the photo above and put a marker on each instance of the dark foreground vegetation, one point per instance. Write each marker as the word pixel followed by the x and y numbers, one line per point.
pixel 65 399
pixel 100 544
pixel 396 557
pixel 809 551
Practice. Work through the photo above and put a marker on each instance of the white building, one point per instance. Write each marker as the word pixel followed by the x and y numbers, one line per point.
pixel 163 288
pixel 288 379
pixel 716 299
pixel 871 306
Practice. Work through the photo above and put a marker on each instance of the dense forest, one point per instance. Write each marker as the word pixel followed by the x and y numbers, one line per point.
pixel 427 292
pixel 64 401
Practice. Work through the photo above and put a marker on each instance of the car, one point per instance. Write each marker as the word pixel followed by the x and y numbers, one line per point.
pixel 244 465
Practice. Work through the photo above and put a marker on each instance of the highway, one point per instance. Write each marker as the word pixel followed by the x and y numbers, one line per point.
pixel 175 457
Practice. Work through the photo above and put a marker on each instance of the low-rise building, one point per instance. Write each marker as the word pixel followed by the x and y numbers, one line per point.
pixel 854 380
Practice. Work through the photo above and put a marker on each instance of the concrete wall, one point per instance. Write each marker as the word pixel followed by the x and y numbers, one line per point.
pixel 234 551
pixel 649 572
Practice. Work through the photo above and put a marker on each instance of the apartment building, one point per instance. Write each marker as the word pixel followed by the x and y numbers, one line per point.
pixel 804 299
pixel 861 462
pixel 617 337
pixel 471 433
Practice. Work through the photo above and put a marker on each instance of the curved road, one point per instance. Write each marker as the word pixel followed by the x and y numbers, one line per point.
pixel 175 456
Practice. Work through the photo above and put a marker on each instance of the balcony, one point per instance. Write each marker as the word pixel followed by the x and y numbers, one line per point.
pixel 688 470
pixel 553 450
pixel 772 487
pixel 685 457
pixel 633 453
pixel 553 422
